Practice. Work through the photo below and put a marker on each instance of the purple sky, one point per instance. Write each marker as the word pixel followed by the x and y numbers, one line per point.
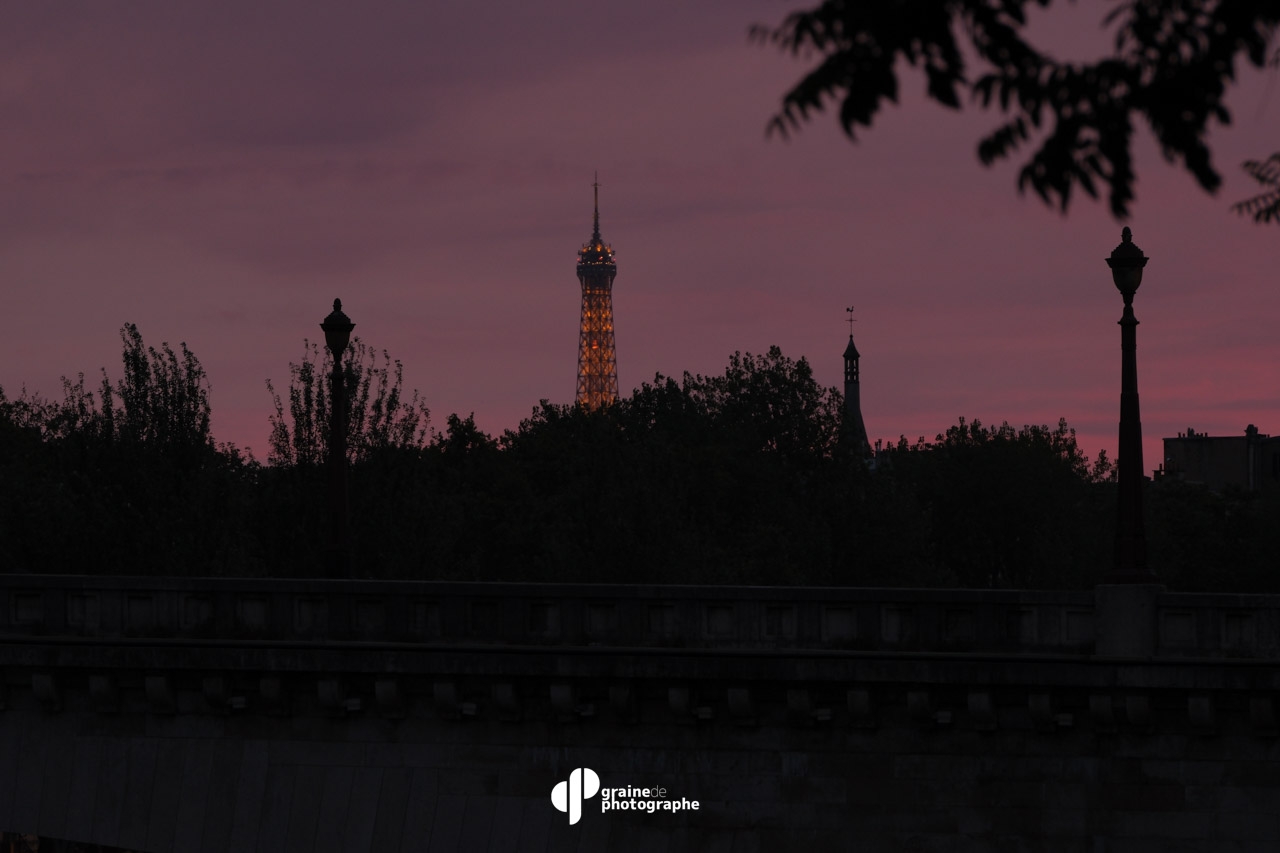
pixel 218 173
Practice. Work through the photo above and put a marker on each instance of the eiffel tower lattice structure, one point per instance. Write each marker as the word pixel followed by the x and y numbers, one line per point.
pixel 597 355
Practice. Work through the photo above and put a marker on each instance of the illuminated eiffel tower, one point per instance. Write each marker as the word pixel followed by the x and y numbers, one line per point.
pixel 597 359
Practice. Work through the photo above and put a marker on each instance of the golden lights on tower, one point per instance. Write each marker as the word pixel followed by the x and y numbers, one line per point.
pixel 597 357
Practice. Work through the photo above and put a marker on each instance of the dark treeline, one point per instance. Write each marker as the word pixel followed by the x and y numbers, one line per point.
pixel 736 478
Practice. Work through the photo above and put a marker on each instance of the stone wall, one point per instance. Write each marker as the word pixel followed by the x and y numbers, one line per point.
pixel 421 784
pixel 176 715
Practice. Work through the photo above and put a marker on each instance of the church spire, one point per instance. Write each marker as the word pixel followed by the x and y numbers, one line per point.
pixel 854 429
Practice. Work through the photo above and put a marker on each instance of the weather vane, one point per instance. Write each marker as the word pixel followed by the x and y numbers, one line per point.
pixel 849 311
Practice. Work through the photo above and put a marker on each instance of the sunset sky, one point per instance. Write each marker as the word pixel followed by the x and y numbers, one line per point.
pixel 218 172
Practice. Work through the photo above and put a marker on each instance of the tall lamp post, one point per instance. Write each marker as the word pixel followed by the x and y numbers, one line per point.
pixel 1126 264
pixel 337 334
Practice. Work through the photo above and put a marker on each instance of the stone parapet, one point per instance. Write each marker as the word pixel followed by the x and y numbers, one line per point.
pixel 593 615
pixel 1120 658
pixel 216 714
pixel 1114 621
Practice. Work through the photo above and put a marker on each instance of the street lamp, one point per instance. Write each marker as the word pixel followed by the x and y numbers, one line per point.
pixel 1126 264
pixel 337 334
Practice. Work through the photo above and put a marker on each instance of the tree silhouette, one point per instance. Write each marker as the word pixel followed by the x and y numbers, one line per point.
pixel 161 403
pixel 378 416
pixel 164 397
pixel 1266 206
pixel 128 480
pixel 737 478
pixel 1170 66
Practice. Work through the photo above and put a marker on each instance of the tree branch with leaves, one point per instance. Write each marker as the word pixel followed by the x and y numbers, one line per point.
pixel 1170 66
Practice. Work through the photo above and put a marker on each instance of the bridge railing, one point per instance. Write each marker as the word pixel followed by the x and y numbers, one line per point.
pixel 935 620
pixel 1218 625
pixel 548 614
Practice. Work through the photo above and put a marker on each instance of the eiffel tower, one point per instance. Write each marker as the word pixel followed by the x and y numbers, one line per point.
pixel 597 358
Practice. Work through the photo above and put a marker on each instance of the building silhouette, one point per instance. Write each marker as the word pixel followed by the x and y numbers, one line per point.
pixel 855 431
pixel 597 358
pixel 1250 461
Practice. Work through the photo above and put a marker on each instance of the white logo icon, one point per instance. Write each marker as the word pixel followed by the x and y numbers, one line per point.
pixel 583 784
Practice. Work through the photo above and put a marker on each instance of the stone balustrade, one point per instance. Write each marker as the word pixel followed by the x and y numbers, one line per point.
pixel 552 614
pixel 624 616
pixel 199 645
